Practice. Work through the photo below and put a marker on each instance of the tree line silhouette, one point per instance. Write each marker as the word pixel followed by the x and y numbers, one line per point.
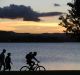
pixel 9 36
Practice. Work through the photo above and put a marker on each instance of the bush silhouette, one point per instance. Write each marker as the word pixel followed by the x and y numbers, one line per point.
pixel 71 20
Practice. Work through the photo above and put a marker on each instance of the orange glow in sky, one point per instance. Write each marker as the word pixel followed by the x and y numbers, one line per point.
pixel 31 27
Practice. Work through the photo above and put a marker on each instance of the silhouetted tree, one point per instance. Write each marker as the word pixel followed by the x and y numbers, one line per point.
pixel 71 20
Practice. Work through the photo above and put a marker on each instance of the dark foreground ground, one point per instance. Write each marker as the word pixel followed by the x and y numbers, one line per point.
pixel 65 72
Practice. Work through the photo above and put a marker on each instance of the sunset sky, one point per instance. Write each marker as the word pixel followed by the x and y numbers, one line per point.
pixel 47 24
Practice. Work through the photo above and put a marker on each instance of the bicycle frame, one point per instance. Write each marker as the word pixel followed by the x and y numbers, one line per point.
pixel 36 67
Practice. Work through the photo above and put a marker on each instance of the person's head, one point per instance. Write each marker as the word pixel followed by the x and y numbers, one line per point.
pixel 9 54
pixel 35 53
pixel 4 51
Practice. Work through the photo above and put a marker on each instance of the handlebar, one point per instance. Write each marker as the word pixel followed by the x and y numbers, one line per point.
pixel 37 63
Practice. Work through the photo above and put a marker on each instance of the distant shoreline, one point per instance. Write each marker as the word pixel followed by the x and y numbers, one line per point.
pixel 12 37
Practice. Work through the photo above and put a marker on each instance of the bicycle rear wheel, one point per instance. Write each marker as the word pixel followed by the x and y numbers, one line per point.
pixel 40 68
pixel 24 68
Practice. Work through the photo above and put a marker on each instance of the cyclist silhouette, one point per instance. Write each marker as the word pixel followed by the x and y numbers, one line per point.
pixel 29 59
pixel 32 66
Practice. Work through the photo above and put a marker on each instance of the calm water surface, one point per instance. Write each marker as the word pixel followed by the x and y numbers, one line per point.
pixel 53 56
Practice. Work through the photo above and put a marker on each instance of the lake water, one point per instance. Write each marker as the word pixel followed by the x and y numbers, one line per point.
pixel 53 56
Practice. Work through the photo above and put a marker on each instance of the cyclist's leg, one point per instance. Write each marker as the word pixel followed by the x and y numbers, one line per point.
pixel 30 65
pixel 33 63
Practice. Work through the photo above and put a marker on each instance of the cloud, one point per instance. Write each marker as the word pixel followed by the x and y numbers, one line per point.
pixel 25 12
pixel 19 11
pixel 50 14
pixel 57 4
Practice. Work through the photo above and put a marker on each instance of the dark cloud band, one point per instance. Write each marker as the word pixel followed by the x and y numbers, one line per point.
pixel 18 11
pixel 21 11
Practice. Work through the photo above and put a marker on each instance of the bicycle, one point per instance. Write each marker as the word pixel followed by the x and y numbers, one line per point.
pixel 36 67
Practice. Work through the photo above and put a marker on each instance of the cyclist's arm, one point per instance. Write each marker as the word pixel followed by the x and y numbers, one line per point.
pixel 36 59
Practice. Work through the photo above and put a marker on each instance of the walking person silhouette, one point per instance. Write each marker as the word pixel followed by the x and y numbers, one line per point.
pixel 2 60
pixel 8 62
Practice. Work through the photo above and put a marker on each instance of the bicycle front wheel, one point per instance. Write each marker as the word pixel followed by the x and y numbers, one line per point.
pixel 24 68
pixel 40 68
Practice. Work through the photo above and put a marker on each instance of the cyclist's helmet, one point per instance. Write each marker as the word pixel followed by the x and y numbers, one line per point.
pixel 35 53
